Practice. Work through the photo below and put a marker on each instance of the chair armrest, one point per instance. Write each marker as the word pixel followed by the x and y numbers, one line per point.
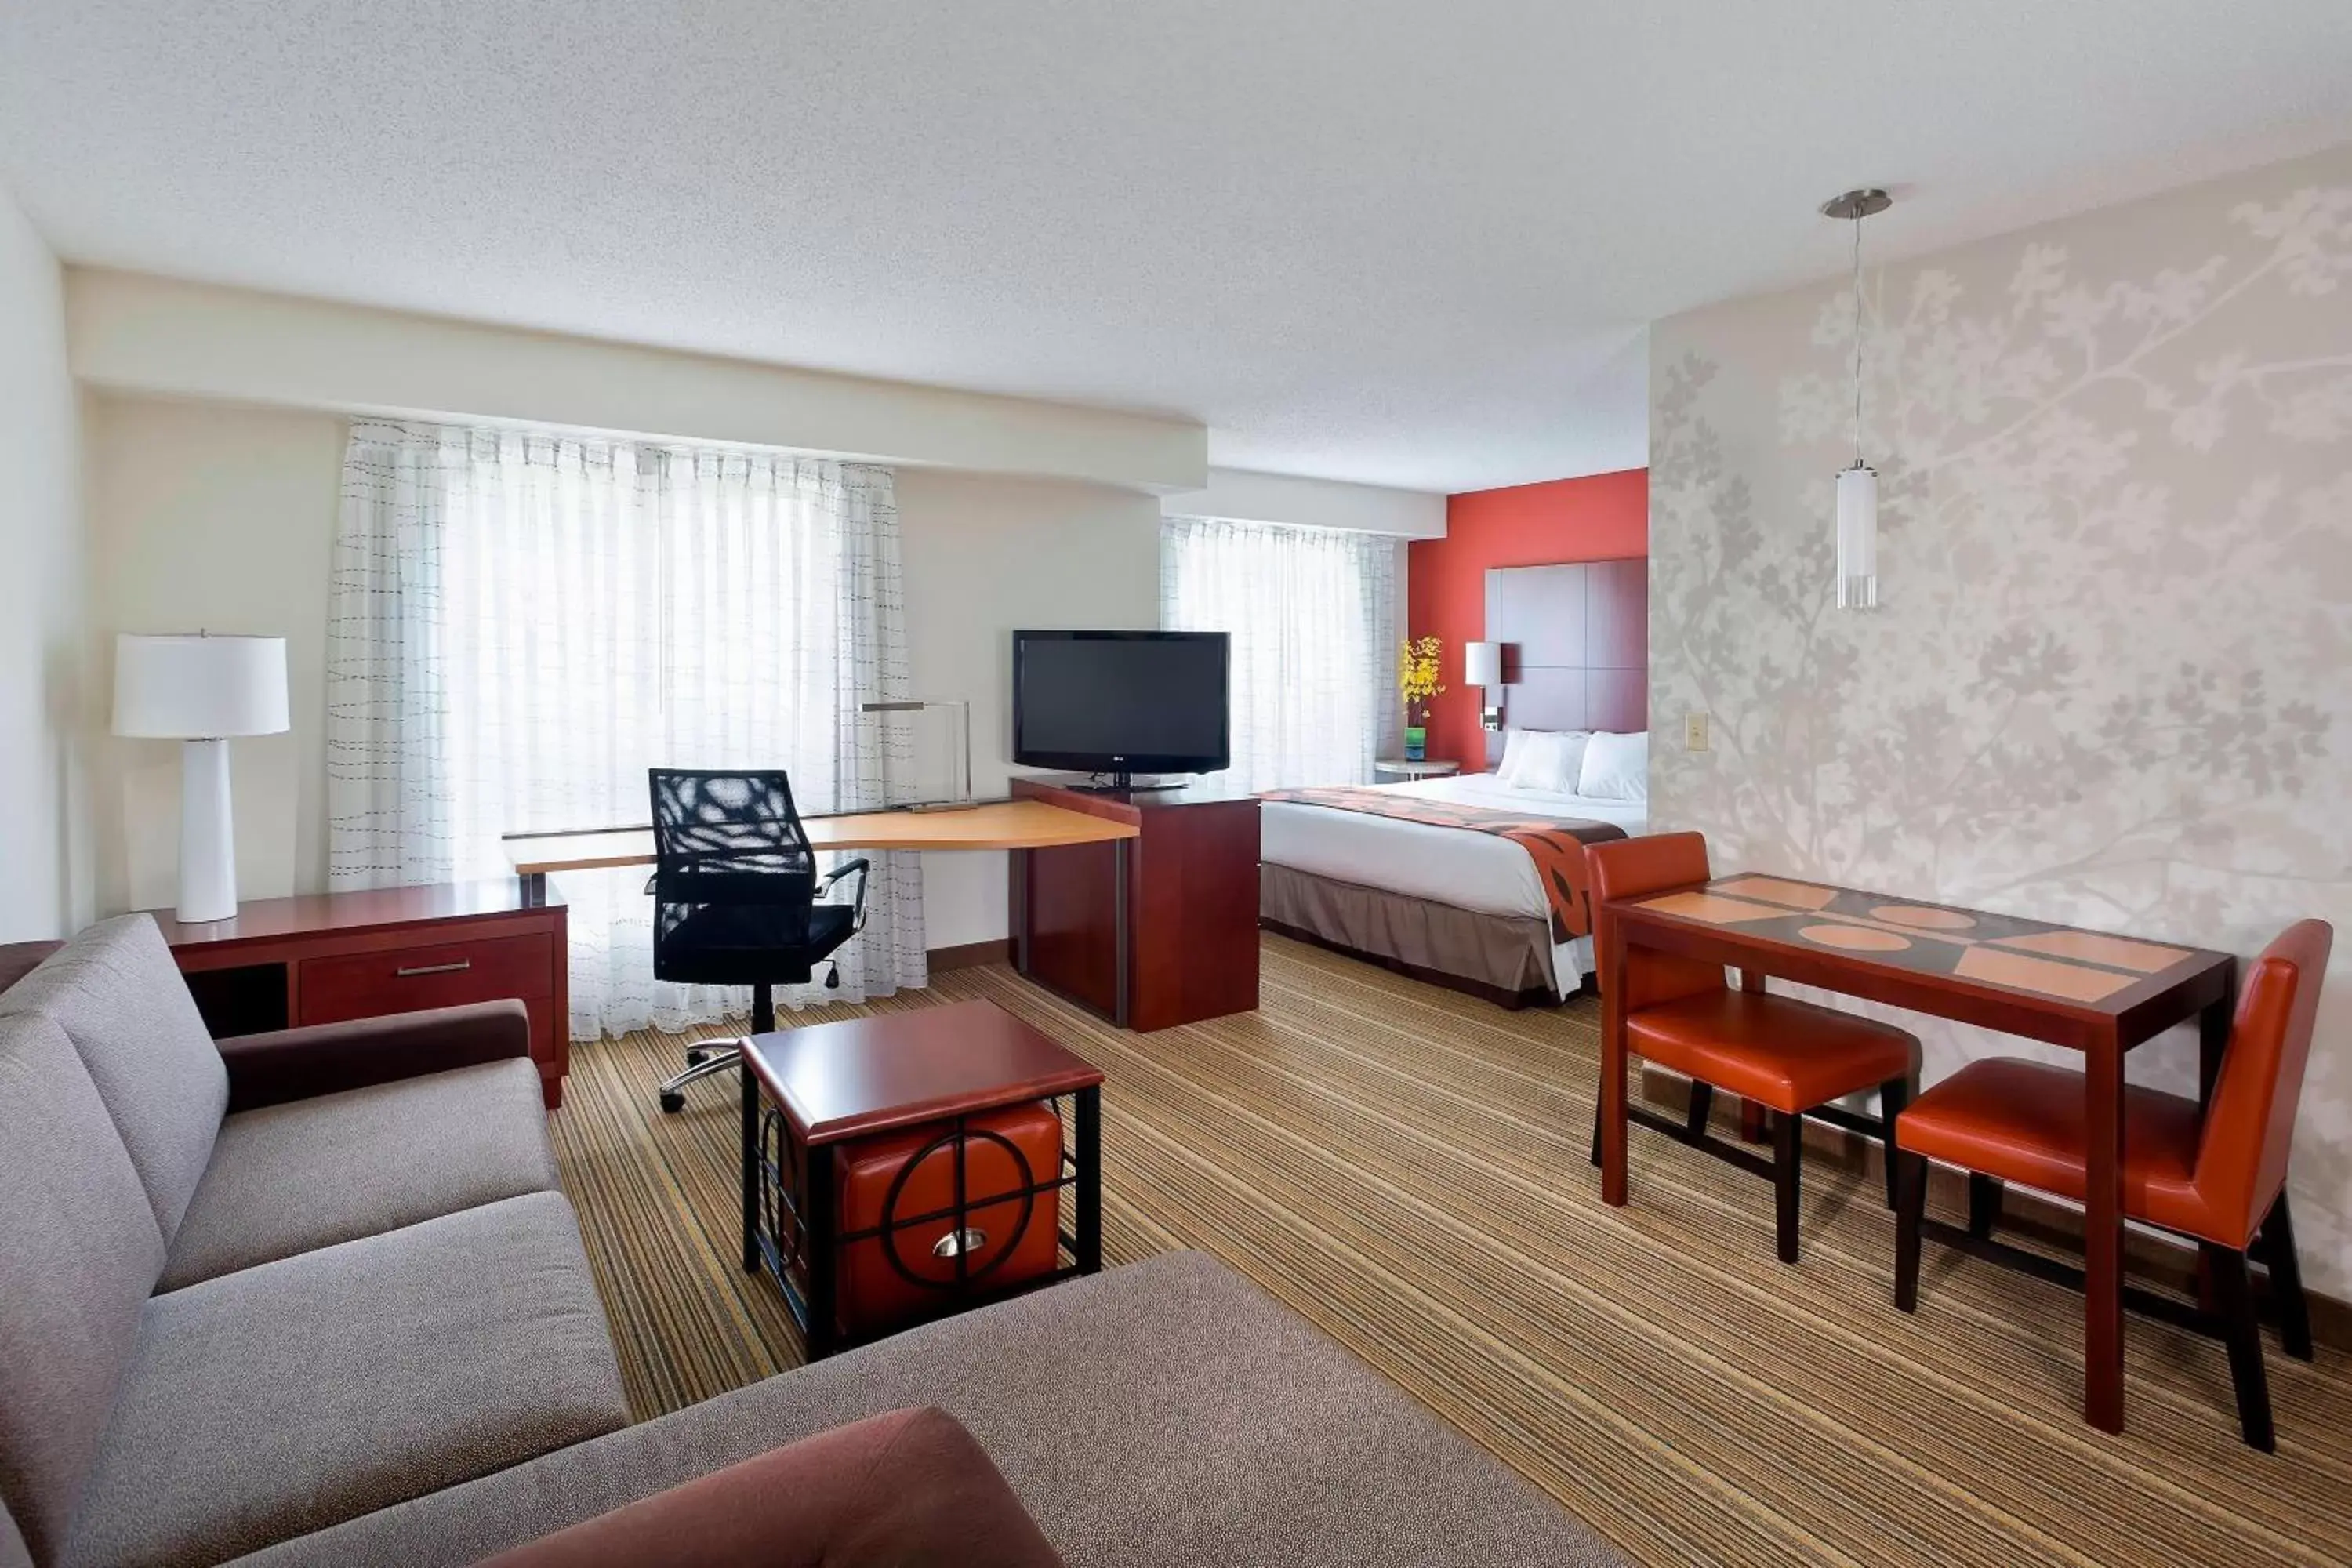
pixel 862 867
pixel 326 1058
pixel 905 1489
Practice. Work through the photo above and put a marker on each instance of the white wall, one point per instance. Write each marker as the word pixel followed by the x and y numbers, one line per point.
pixel 44 836
pixel 1240 495
pixel 212 517
pixel 983 556
pixel 215 515
pixel 163 337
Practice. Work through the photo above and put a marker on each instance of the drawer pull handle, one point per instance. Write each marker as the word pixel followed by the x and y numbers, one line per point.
pixel 458 968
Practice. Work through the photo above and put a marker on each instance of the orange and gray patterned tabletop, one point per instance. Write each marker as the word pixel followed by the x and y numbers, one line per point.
pixel 2057 963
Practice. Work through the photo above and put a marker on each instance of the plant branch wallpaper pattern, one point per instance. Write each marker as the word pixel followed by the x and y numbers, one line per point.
pixel 2109 681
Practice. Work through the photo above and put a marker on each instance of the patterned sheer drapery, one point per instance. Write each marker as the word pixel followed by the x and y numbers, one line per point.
pixel 524 623
pixel 1313 615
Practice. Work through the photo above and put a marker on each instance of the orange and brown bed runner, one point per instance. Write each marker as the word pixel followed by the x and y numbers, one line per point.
pixel 1555 844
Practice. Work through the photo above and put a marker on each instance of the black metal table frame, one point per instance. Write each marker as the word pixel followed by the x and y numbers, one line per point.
pixel 771 1202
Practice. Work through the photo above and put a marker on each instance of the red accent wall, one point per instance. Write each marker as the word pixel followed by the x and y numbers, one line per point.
pixel 1604 517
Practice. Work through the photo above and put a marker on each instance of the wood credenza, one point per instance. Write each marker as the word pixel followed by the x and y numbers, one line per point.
pixel 1191 904
pixel 324 958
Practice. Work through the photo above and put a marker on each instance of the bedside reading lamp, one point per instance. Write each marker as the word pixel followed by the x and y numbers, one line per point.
pixel 962 711
pixel 202 690
pixel 1482 665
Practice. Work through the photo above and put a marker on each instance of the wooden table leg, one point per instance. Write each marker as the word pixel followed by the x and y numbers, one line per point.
pixel 2213 1039
pixel 1754 1126
pixel 2103 1234
pixel 750 1094
pixel 1612 1069
pixel 1086 1223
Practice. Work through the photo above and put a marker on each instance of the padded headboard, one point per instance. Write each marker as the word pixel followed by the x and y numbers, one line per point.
pixel 1575 652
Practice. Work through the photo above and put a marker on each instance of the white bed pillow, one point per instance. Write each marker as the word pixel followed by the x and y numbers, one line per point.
pixel 1545 761
pixel 1616 767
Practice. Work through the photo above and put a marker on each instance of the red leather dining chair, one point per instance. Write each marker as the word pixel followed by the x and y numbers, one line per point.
pixel 2218 1177
pixel 1786 1055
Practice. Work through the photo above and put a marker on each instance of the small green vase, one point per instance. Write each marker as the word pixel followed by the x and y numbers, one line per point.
pixel 1416 743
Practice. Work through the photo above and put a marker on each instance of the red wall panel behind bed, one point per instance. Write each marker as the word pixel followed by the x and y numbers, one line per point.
pixel 1605 517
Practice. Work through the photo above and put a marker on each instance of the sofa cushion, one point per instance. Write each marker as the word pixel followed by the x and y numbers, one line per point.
pixel 905 1489
pixel 290 1396
pixel 79 1254
pixel 119 997
pixel 294 1177
pixel 1166 1412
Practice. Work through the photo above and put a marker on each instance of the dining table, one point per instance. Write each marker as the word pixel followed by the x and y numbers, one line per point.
pixel 2091 991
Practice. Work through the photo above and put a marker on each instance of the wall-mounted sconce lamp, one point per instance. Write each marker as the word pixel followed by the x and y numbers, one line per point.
pixel 1482 665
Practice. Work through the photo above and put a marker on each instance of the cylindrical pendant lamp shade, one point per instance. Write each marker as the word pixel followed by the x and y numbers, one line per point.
pixel 198 687
pixel 1482 664
pixel 1857 539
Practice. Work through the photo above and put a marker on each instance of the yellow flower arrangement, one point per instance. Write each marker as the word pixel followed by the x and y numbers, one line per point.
pixel 1417 674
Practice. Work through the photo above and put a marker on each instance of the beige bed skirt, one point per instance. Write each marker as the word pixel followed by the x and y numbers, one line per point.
pixel 1504 958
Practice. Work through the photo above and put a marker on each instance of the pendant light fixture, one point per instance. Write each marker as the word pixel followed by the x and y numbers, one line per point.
pixel 1857 487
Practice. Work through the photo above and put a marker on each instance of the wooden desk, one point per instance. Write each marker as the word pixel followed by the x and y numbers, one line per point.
pixel 322 958
pixel 1012 825
pixel 2087 991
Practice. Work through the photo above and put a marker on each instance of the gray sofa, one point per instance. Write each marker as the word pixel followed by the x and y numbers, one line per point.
pixel 317 1297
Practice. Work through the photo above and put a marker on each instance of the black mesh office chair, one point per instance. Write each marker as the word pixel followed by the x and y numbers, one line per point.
pixel 739 898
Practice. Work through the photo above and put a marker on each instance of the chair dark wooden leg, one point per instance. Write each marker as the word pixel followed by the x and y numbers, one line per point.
pixel 1788 1147
pixel 1910 1211
pixel 2243 1332
pixel 1596 1133
pixel 1892 1096
pixel 1701 1106
pixel 1984 1203
pixel 2287 1280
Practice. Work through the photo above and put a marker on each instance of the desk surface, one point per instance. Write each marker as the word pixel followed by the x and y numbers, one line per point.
pixel 1003 825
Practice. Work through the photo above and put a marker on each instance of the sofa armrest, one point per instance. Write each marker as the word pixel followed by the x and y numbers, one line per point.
pixel 905 1489
pixel 325 1058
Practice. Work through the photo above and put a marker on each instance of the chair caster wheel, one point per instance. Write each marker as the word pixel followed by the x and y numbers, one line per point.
pixel 673 1100
pixel 695 1055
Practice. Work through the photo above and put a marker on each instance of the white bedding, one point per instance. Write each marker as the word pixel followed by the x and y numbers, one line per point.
pixel 1471 871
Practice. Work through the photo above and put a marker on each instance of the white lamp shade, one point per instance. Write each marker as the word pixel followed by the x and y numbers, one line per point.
pixel 1857 539
pixel 1482 664
pixel 198 687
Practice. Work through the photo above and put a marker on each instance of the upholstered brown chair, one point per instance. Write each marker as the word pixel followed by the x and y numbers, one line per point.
pixel 1785 1055
pixel 2218 1177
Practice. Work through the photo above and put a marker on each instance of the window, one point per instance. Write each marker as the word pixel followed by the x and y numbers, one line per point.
pixel 1313 617
pixel 524 623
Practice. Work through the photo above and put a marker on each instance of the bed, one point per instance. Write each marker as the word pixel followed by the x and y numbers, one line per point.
pixel 1457 906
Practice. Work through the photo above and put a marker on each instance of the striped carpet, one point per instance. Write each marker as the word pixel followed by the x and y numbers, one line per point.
pixel 1407 1168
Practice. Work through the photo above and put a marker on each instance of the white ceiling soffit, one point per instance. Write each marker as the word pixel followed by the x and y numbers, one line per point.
pixel 1403 244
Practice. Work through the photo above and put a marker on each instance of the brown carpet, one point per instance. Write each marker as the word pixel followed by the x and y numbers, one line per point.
pixel 1407 1167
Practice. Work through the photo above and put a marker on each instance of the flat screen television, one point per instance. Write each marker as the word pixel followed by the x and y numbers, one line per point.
pixel 1121 702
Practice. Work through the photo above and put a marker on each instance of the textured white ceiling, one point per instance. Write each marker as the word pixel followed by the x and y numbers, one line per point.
pixel 1383 240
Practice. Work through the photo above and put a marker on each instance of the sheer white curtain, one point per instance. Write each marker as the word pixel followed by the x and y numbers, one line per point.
pixel 525 623
pixel 1313 617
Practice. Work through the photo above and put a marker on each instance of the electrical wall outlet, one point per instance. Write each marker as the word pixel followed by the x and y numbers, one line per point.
pixel 1694 731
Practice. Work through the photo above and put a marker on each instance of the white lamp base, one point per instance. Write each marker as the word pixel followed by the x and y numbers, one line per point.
pixel 207 836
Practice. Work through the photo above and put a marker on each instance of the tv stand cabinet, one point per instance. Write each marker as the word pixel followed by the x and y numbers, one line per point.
pixel 1190 890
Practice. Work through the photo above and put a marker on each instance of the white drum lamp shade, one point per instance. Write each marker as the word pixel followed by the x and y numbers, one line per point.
pixel 1482 664
pixel 202 690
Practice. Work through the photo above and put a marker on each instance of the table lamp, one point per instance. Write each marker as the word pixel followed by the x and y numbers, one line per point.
pixel 202 690
pixel 1482 665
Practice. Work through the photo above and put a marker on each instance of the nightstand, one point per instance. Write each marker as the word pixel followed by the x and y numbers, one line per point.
pixel 1401 768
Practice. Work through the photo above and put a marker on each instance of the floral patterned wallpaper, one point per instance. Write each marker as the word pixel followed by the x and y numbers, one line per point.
pixel 2110 681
